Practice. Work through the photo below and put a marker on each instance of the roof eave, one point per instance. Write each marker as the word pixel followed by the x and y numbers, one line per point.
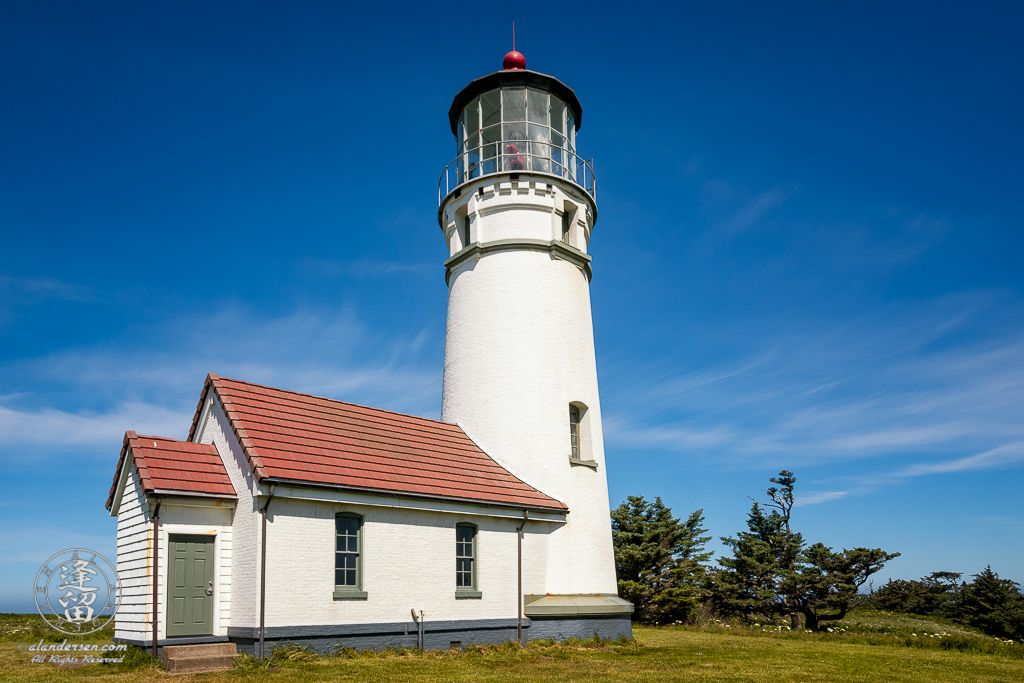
pixel 394 493
pixel 192 494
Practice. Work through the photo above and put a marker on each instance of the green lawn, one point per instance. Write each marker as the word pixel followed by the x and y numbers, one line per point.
pixel 873 647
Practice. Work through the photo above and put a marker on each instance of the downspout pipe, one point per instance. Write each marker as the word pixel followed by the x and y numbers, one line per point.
pixel 263 569
pixel 519 562
pixel 156 567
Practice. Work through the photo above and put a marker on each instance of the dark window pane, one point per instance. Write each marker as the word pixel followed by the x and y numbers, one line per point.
pixel 472 117
pixel 513 131
pixel 339 578
pixel 350 577
pixel 491 134
pixel 574 430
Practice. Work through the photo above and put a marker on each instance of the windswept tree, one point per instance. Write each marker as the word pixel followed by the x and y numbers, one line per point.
pixel 759 579
pixel 772 574
pixel 660 562
pixel 828 583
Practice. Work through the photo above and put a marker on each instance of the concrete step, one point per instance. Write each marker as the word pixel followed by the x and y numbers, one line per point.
pixel 179 659
pixel 199 650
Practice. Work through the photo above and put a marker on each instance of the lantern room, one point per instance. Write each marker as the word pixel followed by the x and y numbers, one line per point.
pixel 516 121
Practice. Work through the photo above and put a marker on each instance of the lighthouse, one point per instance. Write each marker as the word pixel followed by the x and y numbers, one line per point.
pixel 517 207
pixel 324 523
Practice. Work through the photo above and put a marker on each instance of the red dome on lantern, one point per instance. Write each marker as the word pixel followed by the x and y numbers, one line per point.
pixel 514 60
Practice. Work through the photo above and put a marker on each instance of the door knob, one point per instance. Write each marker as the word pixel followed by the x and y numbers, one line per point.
pixel 209 589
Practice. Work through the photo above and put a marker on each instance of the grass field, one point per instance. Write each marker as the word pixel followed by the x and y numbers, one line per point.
pixel 872 646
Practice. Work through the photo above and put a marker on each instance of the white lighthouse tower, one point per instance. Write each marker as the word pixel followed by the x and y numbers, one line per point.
pixel 517 207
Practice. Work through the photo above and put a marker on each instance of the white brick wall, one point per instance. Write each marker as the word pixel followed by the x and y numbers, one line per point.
pixel 408 562
pixel 519 348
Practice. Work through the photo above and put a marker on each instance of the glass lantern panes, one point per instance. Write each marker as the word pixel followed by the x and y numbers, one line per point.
pixel 346 556
pixel 465 555
pixel 516 129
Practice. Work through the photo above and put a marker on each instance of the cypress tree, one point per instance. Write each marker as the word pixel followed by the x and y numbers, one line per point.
pixel 659 561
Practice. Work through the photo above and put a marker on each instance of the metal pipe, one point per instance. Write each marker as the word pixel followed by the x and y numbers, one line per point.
pixel 263 568
pixel 156 565
pixel 156 569
pixel 519 562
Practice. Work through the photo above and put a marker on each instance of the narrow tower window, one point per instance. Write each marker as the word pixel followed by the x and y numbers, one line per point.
pixel 464 230
pixel 566 222
pixel 574 431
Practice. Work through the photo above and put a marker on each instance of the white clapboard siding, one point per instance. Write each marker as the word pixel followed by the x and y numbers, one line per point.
pixel 134 561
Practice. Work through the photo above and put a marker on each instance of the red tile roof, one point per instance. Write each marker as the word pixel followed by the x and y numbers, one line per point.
pixel 313 440
pixel 168 465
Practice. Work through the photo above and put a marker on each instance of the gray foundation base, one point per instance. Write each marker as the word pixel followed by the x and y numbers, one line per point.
pixel 439 635
pixel 560 628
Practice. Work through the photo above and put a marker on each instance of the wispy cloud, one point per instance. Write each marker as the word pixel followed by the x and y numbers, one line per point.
pixel 784 226
pixel 1008 454
pixel 88 428
pixel 364 268
pixel 26 290
pixel 90 396
pixel 815 497
pixel 918 381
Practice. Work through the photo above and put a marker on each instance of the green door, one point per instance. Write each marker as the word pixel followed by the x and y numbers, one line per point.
pixel 190 586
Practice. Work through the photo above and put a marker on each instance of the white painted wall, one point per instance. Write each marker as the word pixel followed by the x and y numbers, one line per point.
pixel 519 348
pixel 526 209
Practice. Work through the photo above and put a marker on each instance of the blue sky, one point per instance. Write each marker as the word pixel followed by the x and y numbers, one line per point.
pixel 808 254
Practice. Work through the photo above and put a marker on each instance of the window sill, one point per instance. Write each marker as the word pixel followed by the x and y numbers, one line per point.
pixel 349 595
pixel 592 464
pixel 468 595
